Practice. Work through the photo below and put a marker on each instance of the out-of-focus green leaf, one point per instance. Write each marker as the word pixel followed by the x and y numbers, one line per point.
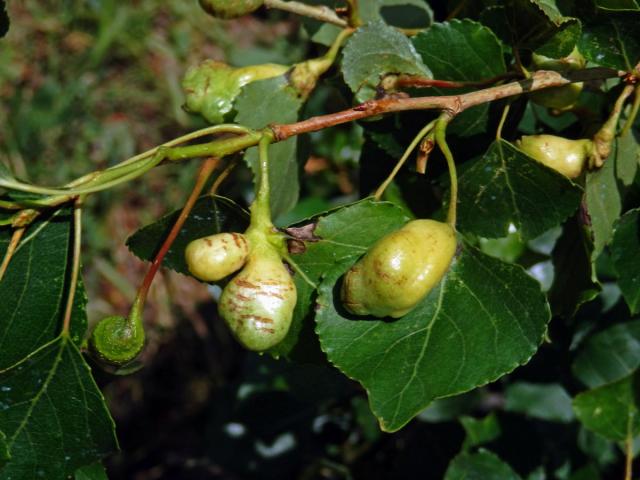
pixel 406 13
pixel 506 187
pixel 544 401
pixel 611 410
pixel 479 430
pixel 482 465
pixel 609 355
pixel 210 215
pixel 53 414
pixel 616 5
pixel 33 291
pixel 625 254
pixel 260 104
pixel 91 472
pixel 462 50
pixel 612 41
pixel 575 280
pixel 484 319
pixel 374 51
pixel 4 450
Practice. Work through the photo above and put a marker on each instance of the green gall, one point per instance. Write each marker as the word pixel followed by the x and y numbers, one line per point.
pixel 257 304
pixel 399 270
pixel 117 340
pixel 566 96
pixel 227 9
pixel 214 257
pixel 212 87
pixel 565 156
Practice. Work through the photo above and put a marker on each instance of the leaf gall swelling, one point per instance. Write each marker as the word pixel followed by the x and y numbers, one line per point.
pixel 257 304
pixel 399 270
pixel 565 156
pixel 117 340
pixel 214 257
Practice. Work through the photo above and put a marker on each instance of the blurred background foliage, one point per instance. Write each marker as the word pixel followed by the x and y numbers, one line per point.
pixel 86 84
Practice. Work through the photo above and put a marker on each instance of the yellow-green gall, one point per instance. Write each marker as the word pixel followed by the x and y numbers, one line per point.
pixel 214 257
pixel 399 270
pixel 565 156
pixel 258 303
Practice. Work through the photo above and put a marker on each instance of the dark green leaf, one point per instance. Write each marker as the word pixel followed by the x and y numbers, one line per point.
pixel 91 472
pixel 483 320
pixel 33 291
pixel 5 456
pixel 612 41
pixel 483 465
pixel 374 51
pixel 574 282
pixel 479 430
pixel 505 186
pixel 609 355
pixel 406 13
pixel 53 414
pixel 262 103
pixel 610 410
pixel 604 203
pixel 534 25
pixel 210 215
pixel 462 50
pixel 342 234
pixel 628 158
pixel 544 401
pixel 625 254
pixel 618 5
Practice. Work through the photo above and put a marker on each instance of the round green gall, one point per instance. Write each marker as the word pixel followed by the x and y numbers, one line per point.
pixel 215 257
pixel 117 340
pixel 211 87
pixel 399 270
pixel 257 304
pixel 227 9
pixel 565 156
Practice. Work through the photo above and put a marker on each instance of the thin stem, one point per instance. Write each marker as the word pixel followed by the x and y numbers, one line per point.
pixel 208 166
pixel 11 249
pixel 628 464
pixel 222 177
pixel 416 140
pixel 75 268
pixel 633 113
pixel 354 13
pixel 423 82
pixel 320 12
pixel 261 208
pixel 441 131
pixel 456 11
pixel 131 168
pixel 503 118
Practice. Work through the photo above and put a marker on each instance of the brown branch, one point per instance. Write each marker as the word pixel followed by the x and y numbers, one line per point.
pixel 454 104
